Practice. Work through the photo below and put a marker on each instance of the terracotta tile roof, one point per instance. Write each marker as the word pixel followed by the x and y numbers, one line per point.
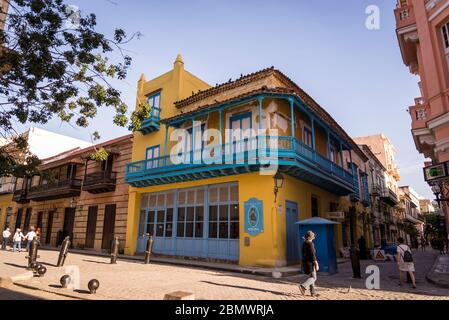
pixel 291 88
pixel 74 155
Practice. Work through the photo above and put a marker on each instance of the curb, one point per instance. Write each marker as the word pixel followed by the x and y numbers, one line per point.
pixel 430 278
pixel 7 282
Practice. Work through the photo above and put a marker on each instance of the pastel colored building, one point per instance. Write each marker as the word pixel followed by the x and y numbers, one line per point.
pixel 43 144
pixel 77 196
pixel 422 27
pixel 228 209
pixel 385 189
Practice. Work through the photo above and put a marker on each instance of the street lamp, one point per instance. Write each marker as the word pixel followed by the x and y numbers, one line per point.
pixel 436 189
pixel 278 183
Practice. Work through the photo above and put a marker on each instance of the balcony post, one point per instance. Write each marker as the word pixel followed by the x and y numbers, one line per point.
pixel 260 114
pixel 341 156
pixel 220 112
pixel 165 144
pixel 292 111
pixel 328 145
pixel 313 137
pixel 350 160
pixel 193 141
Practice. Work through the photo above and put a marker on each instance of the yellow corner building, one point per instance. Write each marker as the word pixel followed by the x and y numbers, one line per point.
pixel 230 210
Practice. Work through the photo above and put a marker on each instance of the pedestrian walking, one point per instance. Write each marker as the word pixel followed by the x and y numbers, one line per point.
pixel 404 260
pixel 423 244
pixel 310 264
pixel 441 245
pixel 17 239
pixel 29 237
pixel 6 234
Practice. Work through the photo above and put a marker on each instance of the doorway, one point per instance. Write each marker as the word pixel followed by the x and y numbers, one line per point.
pixel 91 226
pixel 291 216
pixel 69 221
pixel 108 226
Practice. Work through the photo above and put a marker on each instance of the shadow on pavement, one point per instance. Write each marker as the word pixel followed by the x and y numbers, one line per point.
pixel 15 265
pixel 93 261
pixel 249 288
pixel 7 294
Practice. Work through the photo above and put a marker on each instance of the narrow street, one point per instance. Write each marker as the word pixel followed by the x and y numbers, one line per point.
pixel 133 280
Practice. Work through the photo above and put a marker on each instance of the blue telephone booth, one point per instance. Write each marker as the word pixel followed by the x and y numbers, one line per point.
pixel 324 242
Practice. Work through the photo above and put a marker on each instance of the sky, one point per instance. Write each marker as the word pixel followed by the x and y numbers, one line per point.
pixel 355 73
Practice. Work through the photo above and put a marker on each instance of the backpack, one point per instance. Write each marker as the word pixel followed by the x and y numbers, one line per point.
pixel 407 256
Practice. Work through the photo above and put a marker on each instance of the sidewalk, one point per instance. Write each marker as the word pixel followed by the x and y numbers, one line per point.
pixel 279 272
pixel 439 274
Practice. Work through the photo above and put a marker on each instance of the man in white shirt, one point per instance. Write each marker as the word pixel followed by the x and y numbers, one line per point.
pixel 6 235
pixel 30 236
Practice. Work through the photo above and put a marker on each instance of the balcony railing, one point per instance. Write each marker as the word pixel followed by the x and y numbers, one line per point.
pixel 420 114
pixel 405 16
pixel 239 157
pixel 20 196
pixel 56 190
pixel 152 123
pixel 99 182
pixel 6 188
pixel 389 196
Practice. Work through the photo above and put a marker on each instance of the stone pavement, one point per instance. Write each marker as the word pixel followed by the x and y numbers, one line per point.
pixel 134 280
pixel 439 274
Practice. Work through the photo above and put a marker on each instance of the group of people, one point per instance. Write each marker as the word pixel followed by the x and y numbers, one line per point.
pixel 19 237
pixel 404 260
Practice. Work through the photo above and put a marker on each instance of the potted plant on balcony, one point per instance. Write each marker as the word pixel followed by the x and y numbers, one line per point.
pixel 99 155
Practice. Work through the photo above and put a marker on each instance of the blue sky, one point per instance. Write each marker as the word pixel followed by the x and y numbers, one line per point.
pixel 356 74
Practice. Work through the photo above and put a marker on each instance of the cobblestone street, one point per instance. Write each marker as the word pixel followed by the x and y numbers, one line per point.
pixel 134 280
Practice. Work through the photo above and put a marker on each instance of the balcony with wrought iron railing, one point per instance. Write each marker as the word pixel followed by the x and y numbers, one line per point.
pixel 20 196
pixel 99 182
pixel 389 196
pixel 55 190
pixel 291 155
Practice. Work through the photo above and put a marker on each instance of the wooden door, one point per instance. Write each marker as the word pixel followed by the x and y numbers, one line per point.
pixel 108 226
pixel 19 218
pixel 39 220
pixel 49 227
pixel 69 221
pixel 91 226
pixel 26 224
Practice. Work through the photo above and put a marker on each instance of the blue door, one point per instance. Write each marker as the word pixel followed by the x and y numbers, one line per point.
pixel 142 236
pixel 292 232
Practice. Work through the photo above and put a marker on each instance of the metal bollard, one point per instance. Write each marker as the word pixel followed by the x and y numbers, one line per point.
pixel 64 251
pixel 114 250
pixel 355 262
pixel 32 254
pixel 149 249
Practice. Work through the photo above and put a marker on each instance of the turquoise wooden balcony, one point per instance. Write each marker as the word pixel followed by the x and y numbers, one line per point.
pixel 294 158
pixel 153 123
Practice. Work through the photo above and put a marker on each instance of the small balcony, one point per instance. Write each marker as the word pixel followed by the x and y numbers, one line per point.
pixel 389 197
pixel 20 196
pixel 405 16
pixel 100 182
pixel 58 190
pixel 6 188
pixel 293 158
pixel 153 123
pixel 420 114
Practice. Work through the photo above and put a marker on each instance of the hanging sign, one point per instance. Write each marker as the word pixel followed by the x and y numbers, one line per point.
pixel 253 216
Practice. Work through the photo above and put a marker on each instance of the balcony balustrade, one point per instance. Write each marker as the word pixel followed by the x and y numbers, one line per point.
pixel 405 16
pixel 420 114
pixel 291 155
pixel 99 182
pixel 56 190
pixel 20 196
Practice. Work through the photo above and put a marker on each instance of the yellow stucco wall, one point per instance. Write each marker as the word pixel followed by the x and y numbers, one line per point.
pixel 5 203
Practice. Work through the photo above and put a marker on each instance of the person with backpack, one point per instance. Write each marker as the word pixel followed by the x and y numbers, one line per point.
pixel 405 263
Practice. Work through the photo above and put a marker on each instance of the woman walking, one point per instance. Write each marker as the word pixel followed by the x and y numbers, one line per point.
pixel 310 264
pixel 404 259
pixel 17 239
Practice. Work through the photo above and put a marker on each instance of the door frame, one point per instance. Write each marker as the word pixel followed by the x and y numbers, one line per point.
pixel 295 205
